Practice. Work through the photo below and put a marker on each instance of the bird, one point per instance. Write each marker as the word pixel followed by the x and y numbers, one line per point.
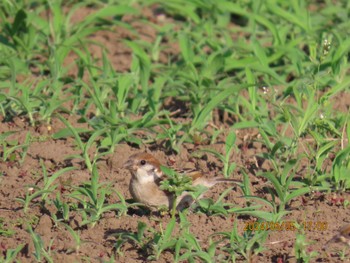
pixel 146 178
pixel 342 236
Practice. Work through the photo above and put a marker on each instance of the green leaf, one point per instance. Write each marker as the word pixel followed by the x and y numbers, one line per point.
pixel 230 142
pixel 245 125
pixel 296 193
pixel 276 183
pixel 260 53
pixel 110 10
pixel 67 132
pixel 141 64
pixel 200 120
pixel 340 53
pixel 186 48
pixel 169 228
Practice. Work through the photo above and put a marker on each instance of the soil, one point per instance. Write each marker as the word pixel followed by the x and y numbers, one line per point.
pixel 98 241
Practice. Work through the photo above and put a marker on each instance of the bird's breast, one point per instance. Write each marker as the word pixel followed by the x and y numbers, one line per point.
pixel 149 194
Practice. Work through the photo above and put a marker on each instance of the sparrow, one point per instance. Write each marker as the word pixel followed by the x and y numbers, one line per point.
pixel 146 177
pixel 342 236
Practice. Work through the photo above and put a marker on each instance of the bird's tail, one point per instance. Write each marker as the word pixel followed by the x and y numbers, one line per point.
pixel 226 180
pixel 213 181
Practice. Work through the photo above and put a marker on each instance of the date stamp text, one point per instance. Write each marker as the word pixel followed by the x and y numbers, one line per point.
pixel 286 226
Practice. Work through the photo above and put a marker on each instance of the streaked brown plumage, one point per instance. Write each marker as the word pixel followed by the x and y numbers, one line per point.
pixel 146 177
pixel 343 236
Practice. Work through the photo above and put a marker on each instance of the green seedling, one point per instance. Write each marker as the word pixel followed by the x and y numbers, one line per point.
pixel 302 254
pixel 155 244
pixel 171 135
pixel 66 37
pixel 49 181
pixel 137 238
pixel 53 103
pixel 200 118
pixel 4 230
pixel 163 241
pixel 62 209
pixel 155 93
pixel 209 207
pixel 189 248
pixel 10 146
pixel 194 251
pixel 75 235
pixel 121 90
pixel 25 147
pixel 141 65
pixel 248 245
pixel 229 146
pixel 83 147
pixel 11 254
pixel 343 255
pixel 34 191
pixel 25 103
pixel 40 251
pixel 255 210
pixel 341 167
pixel 176 183
pixel 93 196
pixel 284 185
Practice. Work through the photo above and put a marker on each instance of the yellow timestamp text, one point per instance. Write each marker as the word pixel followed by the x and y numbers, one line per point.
pixel 286 226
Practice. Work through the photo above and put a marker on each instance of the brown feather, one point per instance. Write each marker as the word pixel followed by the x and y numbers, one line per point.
pixel 149 193
pixel 147 157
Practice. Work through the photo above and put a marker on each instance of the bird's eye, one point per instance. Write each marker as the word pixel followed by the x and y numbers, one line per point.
pixel 143 162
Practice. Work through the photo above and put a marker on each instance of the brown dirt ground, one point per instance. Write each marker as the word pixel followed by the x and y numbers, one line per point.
pixel 97 242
